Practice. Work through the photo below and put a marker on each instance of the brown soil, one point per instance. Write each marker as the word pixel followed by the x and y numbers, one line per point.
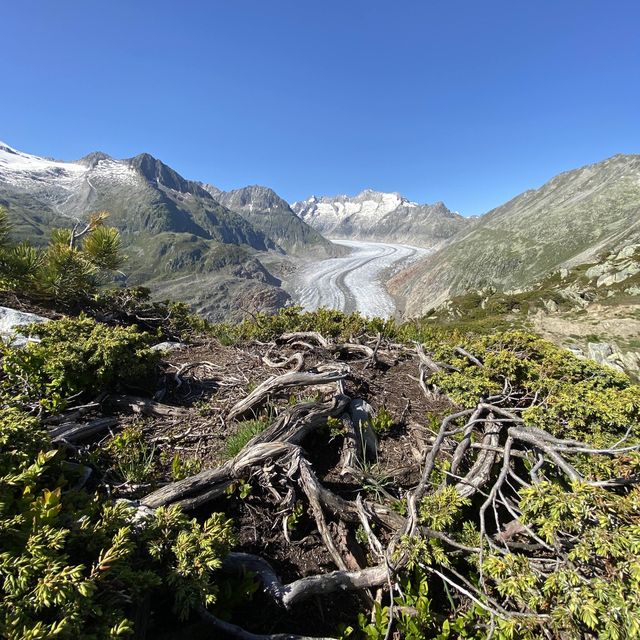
pixel 210 390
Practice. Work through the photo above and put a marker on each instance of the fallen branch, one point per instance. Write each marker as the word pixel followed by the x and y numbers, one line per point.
pixel 147 407
pixel 280 383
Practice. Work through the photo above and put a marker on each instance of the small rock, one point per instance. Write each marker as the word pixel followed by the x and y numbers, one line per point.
pixel 599 351
pixel 361 411
pixel 628 252
pixel 12 319
pixel 168 346
pixel 603 353
pixel 597 270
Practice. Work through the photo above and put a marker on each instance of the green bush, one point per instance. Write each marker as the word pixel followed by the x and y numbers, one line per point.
pixel 73 565
pixel 76 356
pixel 71 268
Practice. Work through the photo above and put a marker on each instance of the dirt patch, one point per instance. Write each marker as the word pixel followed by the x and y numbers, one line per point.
pixel 207 379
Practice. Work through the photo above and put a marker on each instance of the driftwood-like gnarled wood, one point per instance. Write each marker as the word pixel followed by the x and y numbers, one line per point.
pixel 305 588
pixel 290 428
pixel 234 631
pixel 359 349
pixel 304 336
pixel 280 383
pixel 297 360
pixel 480 472
pixel 296 423
pixel 76 432
pixel 351 447
pixel 146 407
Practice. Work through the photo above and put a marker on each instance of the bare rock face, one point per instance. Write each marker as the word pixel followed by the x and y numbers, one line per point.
pixel 10 322
pixel 609 355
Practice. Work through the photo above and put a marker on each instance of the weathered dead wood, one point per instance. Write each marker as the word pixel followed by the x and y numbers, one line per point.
pixel 277 384
pixel 297 422
pixel 238 632
pixel 468 356
pixel 544 444
pixel 193 490
pixel 463 445
pixel 297 359
pixel 309 488
pixel 312 336
pixel 351 446
pixel 289 429
pixel 374 355
pixel 76 432
pixel 147 407
pixel 215 369
pixel 480 472
pixel 305 588
pixel 366 352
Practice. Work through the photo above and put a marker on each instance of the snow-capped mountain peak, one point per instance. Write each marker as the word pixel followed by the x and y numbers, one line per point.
pixel 377 215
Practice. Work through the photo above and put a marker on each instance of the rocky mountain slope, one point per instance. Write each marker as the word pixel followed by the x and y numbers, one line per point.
pixel 388 217
pixel 176 233
pixel 141 193
pixel 568 221
pixel 272 215
pixel 592 309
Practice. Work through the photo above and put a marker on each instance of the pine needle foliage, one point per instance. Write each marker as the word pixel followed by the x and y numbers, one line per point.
pixel 74 564
pixel 71 267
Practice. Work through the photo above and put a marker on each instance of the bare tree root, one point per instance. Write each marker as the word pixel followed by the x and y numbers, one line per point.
pixel 146 407
pixel 73 432
pixel 280 383
pixel 485 446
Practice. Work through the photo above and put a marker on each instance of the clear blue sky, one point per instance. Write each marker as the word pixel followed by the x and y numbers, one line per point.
pixel 462 101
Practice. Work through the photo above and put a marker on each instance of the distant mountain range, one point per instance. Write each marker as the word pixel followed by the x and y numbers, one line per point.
pixel 221 251
pixel 180 239
pixel 386 217
pixel 272 215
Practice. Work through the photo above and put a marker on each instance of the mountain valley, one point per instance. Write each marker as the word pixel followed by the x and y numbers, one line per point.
pixel 233 253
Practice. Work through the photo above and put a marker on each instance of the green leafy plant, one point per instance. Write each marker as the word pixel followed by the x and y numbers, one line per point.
pixel 247 429
pixel 73 565
pixel 382 421
pixel 134 458
pixel 293 519
pixel 73 357
pixel 184 467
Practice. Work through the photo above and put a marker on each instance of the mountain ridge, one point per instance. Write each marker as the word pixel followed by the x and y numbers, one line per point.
pixel 381 216
pixel 567 220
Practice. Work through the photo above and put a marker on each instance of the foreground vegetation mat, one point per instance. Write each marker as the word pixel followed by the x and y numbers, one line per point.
pixel 314 475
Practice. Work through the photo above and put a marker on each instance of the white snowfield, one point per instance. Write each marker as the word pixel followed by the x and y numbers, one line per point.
pixel 58 182
pixel 354 282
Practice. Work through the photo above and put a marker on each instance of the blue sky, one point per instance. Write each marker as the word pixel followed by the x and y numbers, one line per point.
pixel 462 101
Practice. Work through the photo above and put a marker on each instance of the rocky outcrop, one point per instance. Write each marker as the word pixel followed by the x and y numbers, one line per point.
pixel 609 354
pixel 617 268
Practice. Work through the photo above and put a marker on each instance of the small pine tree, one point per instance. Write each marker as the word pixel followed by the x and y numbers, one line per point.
pixel 69 269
